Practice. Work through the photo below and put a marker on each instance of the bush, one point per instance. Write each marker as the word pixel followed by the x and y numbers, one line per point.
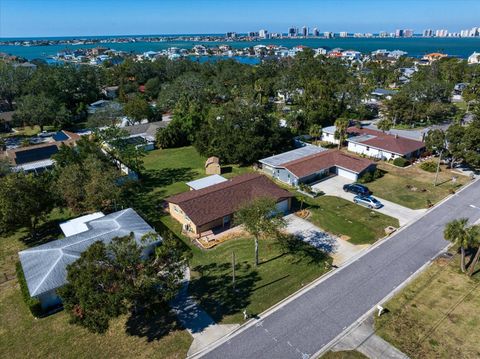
pixel 429 166
pixel 32 303
pixel 401 162
pixel 371 176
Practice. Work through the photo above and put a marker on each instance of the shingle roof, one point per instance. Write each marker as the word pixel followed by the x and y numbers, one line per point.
pixel 320 161
pixel 214 202
pixel 384 141
pixel 285 157
pixel 149 129
pixel 45 266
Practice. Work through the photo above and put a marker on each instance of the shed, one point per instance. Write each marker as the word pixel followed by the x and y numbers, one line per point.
pixel 212 166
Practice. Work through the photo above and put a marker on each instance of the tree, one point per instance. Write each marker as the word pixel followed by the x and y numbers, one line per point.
pixel 435 140
pixel 25 199
pixel 137 108
pixel 316 132
pixel 341 126
pixel 261 219
pixel 40 110
pixel 384 125
pixel 458 233
pixel 116 278
pixel 475 235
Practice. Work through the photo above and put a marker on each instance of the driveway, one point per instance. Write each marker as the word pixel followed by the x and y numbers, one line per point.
pixel 339 249
pixel 334 187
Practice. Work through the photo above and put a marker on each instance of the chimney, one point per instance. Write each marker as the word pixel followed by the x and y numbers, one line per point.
pixel 396 135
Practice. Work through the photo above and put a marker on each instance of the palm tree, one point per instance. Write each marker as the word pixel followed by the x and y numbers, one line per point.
pixel 341 126
pixel 315 131
pixel 457 232
pixel 474 232
pixel 384 125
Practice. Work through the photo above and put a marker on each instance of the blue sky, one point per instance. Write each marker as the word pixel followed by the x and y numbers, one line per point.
pixel 29 18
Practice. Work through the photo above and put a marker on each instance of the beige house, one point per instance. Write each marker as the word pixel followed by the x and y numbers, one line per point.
pixel 214 206
pixel 212 166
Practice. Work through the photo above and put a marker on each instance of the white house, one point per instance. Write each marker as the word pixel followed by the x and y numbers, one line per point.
pixel 474 58
pixel 328 135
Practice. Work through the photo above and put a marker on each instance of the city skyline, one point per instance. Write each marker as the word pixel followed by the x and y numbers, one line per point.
pixel 30 18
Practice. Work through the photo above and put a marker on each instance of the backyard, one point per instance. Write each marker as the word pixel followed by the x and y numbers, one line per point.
pixel 436 316
pixel 413 187
pixel 341 217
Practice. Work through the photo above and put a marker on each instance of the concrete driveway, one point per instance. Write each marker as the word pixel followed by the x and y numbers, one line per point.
pixel 339 249
pixel 333 186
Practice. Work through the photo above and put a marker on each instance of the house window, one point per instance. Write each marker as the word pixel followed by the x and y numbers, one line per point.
pixel 175 208
pixel 368 148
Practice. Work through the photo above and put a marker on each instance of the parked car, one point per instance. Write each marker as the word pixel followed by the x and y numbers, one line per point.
pixel 368 201
pixel 357 189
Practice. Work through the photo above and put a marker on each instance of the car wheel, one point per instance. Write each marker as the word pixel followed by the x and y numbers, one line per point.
pixel 355 201
pixel 369 206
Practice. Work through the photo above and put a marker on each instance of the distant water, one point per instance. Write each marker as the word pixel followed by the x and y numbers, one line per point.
pixel 416 47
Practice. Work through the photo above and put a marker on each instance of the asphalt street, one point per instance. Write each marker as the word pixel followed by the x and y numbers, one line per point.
pixel 306 324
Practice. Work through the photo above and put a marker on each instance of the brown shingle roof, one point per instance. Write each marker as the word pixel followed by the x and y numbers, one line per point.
pixel 308 165
pixel 387 142
pixel 214 202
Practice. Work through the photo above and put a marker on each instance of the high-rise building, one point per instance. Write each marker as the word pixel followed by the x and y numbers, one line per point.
pixel 328 35
pixel 292 32
pixel 304 31
pixel 441 33
pixel 315 32
pixel 343 34
pixel 253 34
pixel 263 34
pixel 428 33
pixel 399 33
pixel 231 35
pixel 383 34
pixel 408 33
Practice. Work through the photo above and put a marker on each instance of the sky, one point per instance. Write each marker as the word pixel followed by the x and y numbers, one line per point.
pixel 42 18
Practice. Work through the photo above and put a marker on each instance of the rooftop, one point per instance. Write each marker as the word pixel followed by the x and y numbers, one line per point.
pixel 208 204
pixel 206 182
pixel 282 158
pixel 325 160
pixel 45 266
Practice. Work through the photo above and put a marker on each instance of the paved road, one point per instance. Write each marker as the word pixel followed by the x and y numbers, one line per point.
pixel 305 325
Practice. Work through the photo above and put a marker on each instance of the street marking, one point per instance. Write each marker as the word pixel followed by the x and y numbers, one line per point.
pixel 290 344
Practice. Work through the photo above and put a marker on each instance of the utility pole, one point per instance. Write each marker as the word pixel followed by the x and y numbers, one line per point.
pixel 438 168
pixel 233 270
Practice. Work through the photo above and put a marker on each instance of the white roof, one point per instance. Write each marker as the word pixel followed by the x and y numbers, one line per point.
pixel 206 182
pixel 285 157
pixel 36 165
pixel 45 266
pixel 79 224
pixel 329 129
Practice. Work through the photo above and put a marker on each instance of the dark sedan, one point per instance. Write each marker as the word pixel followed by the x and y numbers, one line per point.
pixel 357 189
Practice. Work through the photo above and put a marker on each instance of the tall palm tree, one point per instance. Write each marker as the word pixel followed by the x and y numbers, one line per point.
pixel 474 232
pixel 315 131
pixel 341 126
pixel 457 232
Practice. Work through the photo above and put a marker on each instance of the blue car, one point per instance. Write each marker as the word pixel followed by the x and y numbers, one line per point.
pixel 357 189
pixel 368 201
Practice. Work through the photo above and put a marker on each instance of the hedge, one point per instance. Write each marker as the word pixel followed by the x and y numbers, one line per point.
pixel 32 303
pixel 401 162
pixel 429 166
pixel 371 176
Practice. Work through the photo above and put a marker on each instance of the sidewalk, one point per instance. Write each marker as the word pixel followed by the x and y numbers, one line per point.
pixel 196 321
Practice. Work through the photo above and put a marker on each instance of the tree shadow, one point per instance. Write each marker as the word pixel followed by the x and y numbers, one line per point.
pixel 46 232
pixel 152 179
pixel 152 323
pixel 294 244
pixel 214 289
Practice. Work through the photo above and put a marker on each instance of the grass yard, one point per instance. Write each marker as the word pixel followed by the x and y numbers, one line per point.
pixel 167 170
pixel 281 272
pixel 344 355
pixel 341 217
pixel 393 185
pixel 436 316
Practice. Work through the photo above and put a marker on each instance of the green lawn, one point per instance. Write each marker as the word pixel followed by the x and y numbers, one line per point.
pixel 167 170
pixel 342 217
pixel 436 316
pixel 281 272
pixel 396 185
pixel 344 355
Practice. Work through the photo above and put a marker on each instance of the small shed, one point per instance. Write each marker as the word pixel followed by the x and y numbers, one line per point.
pixel 212 166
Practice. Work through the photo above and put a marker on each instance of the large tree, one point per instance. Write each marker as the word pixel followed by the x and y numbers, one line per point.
pixel 25 199
pixel 341 126
pixel 137 108
pixel 114 279
pixel 458 232
pixel 261 219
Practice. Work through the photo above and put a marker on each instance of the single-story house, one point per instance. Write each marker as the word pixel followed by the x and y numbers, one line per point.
pixel 382 145
pixel 296 167
pixel 103 104
pixel 45 266
pixel 110 92
pixel 214 206
pixel 328 135
pixel 144 134
pixel 38 158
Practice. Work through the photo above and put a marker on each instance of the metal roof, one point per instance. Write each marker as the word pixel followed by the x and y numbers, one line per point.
pixel 35 166
pixel 45 266
pixel 329 129
pixel 206 182
pixel 282 158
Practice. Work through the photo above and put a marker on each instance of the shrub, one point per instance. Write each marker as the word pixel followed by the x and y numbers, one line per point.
pixel 32 303
pixel 401 162
pixel 429 166
pixel 366 177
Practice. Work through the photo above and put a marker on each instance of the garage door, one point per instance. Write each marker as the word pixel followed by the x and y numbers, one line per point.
pixel 347 174
pixel 283 206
